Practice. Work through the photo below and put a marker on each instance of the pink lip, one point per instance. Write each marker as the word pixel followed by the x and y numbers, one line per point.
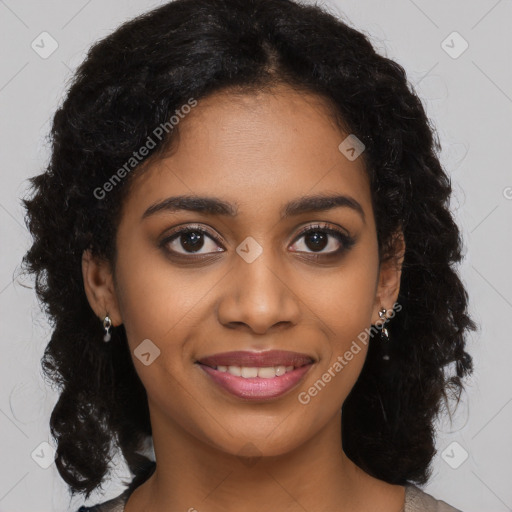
pixel 257 359
pixel 257 388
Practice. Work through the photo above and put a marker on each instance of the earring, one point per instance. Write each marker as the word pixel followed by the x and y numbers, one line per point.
pixel 107 324
pixel 384 336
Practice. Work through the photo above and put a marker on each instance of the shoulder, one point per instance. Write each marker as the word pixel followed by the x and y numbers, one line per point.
pixel 114 505
pixel 417 500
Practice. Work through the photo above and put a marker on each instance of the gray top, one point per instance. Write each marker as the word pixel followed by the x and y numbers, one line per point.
pixel 416 500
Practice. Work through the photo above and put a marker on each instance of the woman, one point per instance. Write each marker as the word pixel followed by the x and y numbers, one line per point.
pixel 244 241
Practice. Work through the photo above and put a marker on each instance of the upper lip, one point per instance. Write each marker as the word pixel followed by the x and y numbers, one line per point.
pixel 257 359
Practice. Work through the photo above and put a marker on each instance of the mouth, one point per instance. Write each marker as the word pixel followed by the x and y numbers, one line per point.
pixel 257 375
pixel 251 360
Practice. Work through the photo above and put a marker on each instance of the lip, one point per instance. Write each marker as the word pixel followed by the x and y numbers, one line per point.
pixel 257 388
pixel 257 359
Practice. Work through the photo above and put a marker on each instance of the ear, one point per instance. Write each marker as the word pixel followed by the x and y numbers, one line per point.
pixel 99 287
pixel 390 274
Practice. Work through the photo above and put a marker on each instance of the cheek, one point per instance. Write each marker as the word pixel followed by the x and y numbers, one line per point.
pixel 346 310
pixel 156 299
pixel 345 300
pixel 157 306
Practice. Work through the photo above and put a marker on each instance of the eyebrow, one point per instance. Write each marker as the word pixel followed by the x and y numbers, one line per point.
pixel 216 206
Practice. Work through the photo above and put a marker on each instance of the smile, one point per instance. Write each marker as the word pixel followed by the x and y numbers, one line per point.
pixel 249 372
pixel 256 383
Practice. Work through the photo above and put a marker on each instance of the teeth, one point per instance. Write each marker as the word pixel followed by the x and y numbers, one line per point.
pixel 251 372
pixel 248 372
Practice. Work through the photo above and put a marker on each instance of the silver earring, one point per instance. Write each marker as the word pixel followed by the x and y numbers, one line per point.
pixel 107 324
pixel 384 336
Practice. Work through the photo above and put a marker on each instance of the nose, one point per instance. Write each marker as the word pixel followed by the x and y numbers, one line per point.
pixel 258 296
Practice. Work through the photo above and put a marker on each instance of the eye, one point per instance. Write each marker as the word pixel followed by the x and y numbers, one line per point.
pixel 319 240
pixel 323 240
pixel 191 240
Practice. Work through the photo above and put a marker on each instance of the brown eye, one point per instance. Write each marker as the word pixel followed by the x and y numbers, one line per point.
pixel 316 240
pixel 191 240
pixel 323 240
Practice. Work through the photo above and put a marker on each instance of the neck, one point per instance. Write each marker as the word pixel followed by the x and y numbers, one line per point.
pixel 193 475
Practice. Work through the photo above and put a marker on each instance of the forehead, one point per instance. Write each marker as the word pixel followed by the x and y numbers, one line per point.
pixel 255 149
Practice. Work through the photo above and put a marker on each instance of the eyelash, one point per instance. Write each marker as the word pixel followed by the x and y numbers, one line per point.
pixel 345 240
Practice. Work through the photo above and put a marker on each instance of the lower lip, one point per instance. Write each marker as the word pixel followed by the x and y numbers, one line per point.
pixel 257 388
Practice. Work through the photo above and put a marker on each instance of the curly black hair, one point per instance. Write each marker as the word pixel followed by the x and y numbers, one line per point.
pixel 133 81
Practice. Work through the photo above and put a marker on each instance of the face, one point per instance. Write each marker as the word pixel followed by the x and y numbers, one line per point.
pixel 260 272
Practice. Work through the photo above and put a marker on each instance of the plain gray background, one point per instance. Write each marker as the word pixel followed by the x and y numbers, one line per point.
pixel 468 97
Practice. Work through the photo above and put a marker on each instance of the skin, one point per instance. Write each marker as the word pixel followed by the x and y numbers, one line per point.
pixel 258 152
